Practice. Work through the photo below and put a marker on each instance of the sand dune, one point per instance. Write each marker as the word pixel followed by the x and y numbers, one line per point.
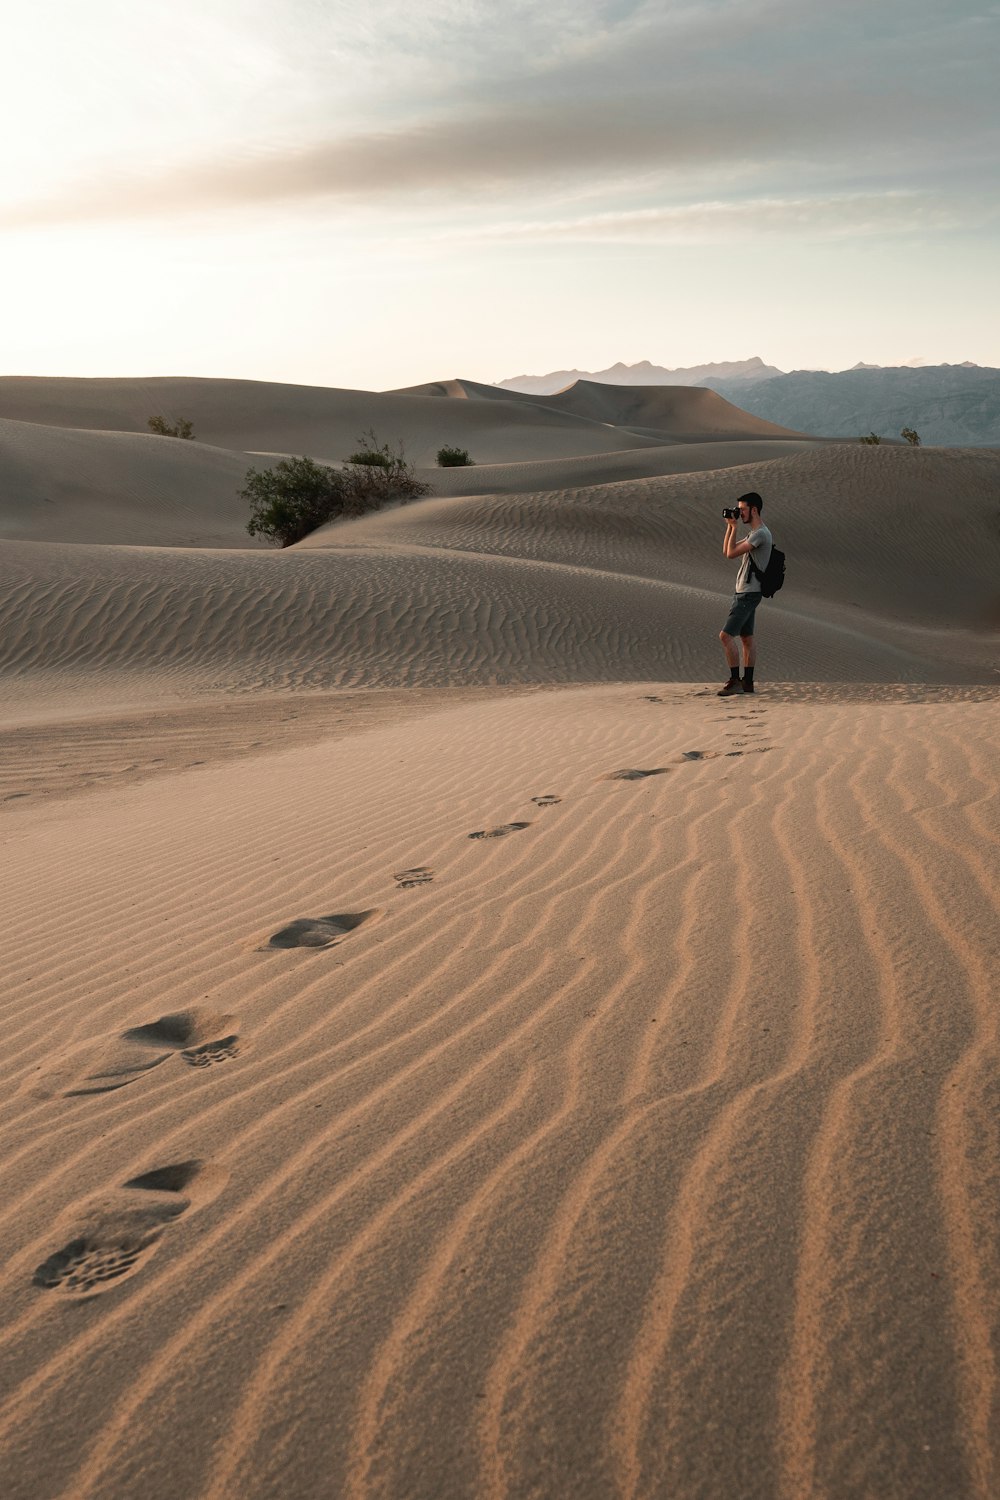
pixel 849 517
pixel 687 413
pixel 61 484
pixel 677 413
pixel 611 468
pixel 326 424
pixel 66 484
pixel 77 463
pixel 531 1186
pixel 606 583
pixel 447 1050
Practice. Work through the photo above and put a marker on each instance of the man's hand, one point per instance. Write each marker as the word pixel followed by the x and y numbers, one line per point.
pixel 727 540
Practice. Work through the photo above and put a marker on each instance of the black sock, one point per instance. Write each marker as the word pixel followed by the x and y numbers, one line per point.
pixel 748 675
pixel 734 674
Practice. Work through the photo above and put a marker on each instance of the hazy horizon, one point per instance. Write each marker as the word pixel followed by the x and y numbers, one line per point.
pixel 360 195
pixel 433 375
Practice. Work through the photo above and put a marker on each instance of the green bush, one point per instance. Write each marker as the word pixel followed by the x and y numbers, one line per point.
pixel 453 458
pixel 292 499
pixel 872 439
pixel 378 474
pixel 376 455
pixel 912 437
pixel 181 428
pixel 298 495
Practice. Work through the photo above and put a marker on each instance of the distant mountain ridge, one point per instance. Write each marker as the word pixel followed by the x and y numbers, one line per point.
pixel 956 406
pixel 949 405
pixel 642 373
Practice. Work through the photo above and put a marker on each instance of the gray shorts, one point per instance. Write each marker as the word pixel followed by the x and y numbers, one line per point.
pixel 741 613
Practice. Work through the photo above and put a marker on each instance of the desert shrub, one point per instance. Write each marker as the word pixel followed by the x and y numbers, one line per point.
pixel 371 458
pixel 376 455
pixel 872 439
pixel 453 458
pixel 292 499
pixel 298 495
pixel 912 437
pixel 378 474
pixel 181 428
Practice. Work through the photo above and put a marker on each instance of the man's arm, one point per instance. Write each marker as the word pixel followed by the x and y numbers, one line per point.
pixel 731 548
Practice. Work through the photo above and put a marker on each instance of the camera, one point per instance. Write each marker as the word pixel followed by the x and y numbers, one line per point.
pixel 731 514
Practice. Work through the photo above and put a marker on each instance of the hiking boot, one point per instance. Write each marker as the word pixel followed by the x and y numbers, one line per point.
pixel 748 687
pixel 731 687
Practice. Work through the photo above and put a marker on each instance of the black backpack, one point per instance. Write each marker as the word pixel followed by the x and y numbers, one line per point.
pixel 773 575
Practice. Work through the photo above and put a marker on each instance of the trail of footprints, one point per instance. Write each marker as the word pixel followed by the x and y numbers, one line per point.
pixel 114 1237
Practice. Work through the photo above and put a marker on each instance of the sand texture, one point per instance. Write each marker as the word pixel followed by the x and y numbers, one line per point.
pixel 448 1052
pixel 595 583
pixel 532 1163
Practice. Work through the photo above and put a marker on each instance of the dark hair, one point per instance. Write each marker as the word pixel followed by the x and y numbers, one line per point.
pixel 752 499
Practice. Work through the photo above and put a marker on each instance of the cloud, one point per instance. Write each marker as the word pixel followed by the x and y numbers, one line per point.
pixel 717 222
pixel 458 103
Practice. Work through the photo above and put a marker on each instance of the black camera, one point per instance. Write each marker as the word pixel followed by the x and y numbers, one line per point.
pixel 730 515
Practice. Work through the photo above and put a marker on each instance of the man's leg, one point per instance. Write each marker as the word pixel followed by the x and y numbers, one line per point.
pixel 749 661
pixel 731 649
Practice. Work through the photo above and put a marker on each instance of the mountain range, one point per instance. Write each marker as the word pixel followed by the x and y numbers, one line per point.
pixel 948 405
pixel 642 373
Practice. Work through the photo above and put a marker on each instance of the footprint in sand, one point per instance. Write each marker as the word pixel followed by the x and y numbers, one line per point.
pixel 499 832
pixel 546 801
pixel 408 879
pixel 212 1052
pixel 632 774
pixel 113 1237
pixel 319 932
pixel 650 698
pixel 198 1035
pixel 189 1032
pixel 717 754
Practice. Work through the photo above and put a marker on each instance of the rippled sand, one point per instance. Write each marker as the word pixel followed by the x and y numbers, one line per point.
pixel 448 1051
pixel 644 1147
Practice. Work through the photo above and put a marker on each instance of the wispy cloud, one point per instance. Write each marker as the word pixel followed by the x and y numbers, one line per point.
pixel 456 100
pixel 839 216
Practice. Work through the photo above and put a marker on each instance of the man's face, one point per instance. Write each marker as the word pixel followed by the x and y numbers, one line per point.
pixel 745 514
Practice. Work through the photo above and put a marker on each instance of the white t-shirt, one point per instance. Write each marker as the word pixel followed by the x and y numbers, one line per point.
pixel 761 544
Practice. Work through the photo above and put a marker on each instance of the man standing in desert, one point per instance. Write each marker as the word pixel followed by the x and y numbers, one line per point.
pixel 756 545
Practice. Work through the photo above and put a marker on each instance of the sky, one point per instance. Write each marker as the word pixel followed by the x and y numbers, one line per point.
pixel 374 193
